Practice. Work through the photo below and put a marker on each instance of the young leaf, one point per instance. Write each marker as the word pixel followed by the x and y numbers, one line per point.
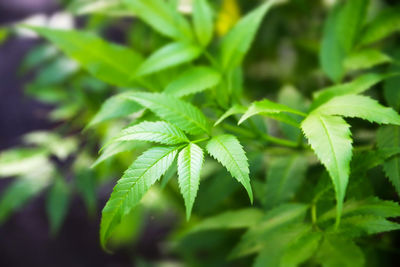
pixel 389 137
pixel 161 17
pixel 115 107
pixel 237 42
pixel 229 152
pixel 57 204
pixel 168 56
pixel 271 109
pixel 108 62
pixel 176 111
pixel 135 182
pixel 330 138
pixel 336 251
pixel 194 80
pixel 360 107
pixel 356 226
pixel 386 23
pixel 190 161
pixel 203 21
pixel 242 218
pixel 158 132
pixel 235 109
pixel 284 177
pixel 365 59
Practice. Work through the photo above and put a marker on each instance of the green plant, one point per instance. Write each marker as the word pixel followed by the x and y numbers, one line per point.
pixel 196 86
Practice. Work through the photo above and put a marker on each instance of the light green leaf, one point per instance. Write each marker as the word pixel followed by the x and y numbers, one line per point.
pixel 336 251
pixel 21 161
pixel 389 137
pixel 114 149
pixel 386 23
pixel 194 80
pixel 203 21
pixel 104 7
pixel 57 204
pixel 162 18
pixel 235 109
pixel 227 150
pixel 18 194
pixel 135 182
pixel 115 107
pixel 273 110
pixel 284 176
pixel 356 226
pixel 237 42
pixel 176 111
pixel 108 62
pixel 360 107
pixel 365 59
pixel 242 218
pixel 330 138
pixel 158 132
pixel 190 162
pixel 168 56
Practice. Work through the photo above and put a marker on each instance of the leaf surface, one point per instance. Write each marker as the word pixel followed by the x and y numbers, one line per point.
pixel 203 21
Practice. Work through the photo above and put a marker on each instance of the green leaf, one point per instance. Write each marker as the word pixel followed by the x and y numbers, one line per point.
pixel 273 110
pixel 203 21
pixel 332 54
pixel 391 85
pixel 135 182
pixel 389 137
pixel 108 62
pixel 190 162
pixel 241 218
pixel 284 177
pixel 176 111
pixel 169 56
pixel 336 251
pixel 57 204
pixel 158 132
pixel 370 206
pixel 360 107
pixel 114 149
pixel 194 80
pixel 162 18
pixel 227 150
pixel 115 107
pixel 365 59
pixel 356 86
pixel 237 42
pixel 330 138
pixel 21 161
pixel 235 109
pixel 366 225
pixel 386 23
pixel 18 194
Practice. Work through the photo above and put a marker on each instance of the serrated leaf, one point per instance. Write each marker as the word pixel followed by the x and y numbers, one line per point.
pixel 176 111
pixel 57 204
pixel 227 150
pixel 158 132
pixel 360 225
pixel 190 162
pixel 365 59
pixel 241 218
pixel 235 109
pixel 330 138
pixel 108 62
pixel 237 42
pixel 194 80
pixel 135 182
pixel 337 251
pixel 203 21
pixel 284 176
pixel 114 149
pixel 370 206
pixel 161 17
pixel 115 107
pixel 273 110
pixel 356 86
pixel 359 107
pixel 389 137
pixel 386 23
pixel 168 56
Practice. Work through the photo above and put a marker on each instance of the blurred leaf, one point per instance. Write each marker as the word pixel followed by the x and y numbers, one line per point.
pixel 360 225
pixel 227 16
pixel 57 204
pixel 38 55
pixel 203 21
pixel 106 7
pixel 365 59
